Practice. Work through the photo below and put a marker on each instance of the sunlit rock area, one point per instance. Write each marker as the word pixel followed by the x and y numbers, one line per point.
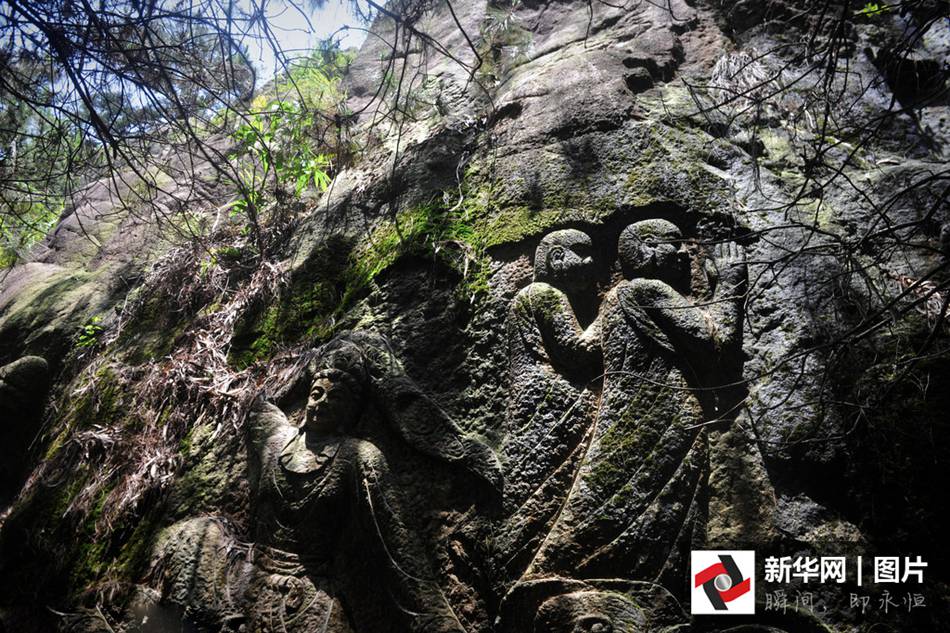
pixel 542 297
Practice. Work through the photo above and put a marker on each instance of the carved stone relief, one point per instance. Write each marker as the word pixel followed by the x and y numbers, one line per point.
pixel 638 497
pixel 585 509
pixel 550 408
pixel 336 529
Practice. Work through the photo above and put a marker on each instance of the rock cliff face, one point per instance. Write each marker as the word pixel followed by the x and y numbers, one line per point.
pixel 620 282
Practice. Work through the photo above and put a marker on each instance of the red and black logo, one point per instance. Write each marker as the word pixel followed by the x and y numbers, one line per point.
pixel 722 582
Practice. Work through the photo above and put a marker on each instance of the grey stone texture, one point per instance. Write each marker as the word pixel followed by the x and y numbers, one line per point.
pixel 24 386
pixel 646 332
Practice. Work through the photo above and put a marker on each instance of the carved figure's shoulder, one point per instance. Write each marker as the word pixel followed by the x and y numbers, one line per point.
pixel 266 421
pixel 610 301
pixel 537 296
pixel 537 289
pixel 644 292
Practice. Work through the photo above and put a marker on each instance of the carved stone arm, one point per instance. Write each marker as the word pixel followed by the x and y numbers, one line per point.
pixel 428 428
pixel 565 341
pixel 264 421
pixel 654 304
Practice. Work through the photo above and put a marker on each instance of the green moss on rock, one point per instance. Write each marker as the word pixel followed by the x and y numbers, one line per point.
pixel 342 271
pixel 307 308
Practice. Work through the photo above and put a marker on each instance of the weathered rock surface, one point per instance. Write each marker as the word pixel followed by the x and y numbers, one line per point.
pixel 24 385
pixel 518 417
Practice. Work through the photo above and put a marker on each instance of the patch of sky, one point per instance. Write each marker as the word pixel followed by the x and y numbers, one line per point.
pixel 297 27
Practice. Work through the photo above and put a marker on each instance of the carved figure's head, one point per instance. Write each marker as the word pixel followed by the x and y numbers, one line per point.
pixel 590 612
pixel 334 401
pixel 652 249
pixel 338 390
pixel 564 605
pixel 564 258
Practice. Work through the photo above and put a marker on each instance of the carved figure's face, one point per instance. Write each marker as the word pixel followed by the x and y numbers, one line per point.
pixel 333 403
pixel 589 612
pixel 565 258
pixel 654 249
pixel 571 263
pixel 660 254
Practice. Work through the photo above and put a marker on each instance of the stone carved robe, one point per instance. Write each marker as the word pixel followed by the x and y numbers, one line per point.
pixel 550 416
pixel 638 497
pixel 209 578
pixel 331 500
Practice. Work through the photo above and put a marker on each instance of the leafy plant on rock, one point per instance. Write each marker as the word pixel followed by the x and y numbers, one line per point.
pixel 294 135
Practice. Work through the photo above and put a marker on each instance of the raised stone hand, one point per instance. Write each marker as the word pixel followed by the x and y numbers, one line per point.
pixel 725 310
pixel 729 254
pixel 729 261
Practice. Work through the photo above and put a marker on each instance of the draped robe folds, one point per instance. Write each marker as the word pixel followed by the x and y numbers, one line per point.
pixel 330 500
pixel 212 578
pixel 550 415
pixel 338 525
pixel 638 498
